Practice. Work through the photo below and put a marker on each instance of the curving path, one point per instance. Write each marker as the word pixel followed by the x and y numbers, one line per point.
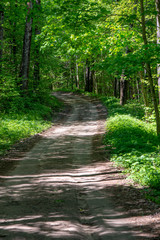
pixel 61 188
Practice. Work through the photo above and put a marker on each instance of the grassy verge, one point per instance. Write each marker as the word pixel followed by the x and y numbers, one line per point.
pixel 134 144
pixel 24 117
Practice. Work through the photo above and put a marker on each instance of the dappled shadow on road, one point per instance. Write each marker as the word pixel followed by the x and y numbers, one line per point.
pixel 67 192
pixel 65 188
pixel 63 205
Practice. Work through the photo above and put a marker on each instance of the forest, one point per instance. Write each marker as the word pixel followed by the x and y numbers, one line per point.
pixel 104 48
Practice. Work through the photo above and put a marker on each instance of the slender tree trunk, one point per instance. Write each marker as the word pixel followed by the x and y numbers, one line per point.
pixel 95 84
pixel 124 85
pixel 36 72
pixel 1 35
pixel 158 42
pixel 14 49
pixel 116 87
pixel 13 23
pixel 89 77
pixel 148 68
pixel 77 75
pixel 84 75
pixel 24 71
pixel 91 80
pixel 123 90
pixel 138 88
pixel 72 73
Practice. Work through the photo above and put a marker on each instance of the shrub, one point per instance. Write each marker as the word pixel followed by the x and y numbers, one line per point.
pixel 133 143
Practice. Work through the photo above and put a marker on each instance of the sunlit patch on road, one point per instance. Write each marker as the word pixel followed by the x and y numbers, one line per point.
pixel 61 189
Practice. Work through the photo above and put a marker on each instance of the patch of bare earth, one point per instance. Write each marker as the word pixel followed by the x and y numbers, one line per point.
pixel 60 184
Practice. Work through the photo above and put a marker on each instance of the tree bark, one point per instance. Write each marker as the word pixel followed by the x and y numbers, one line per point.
pixel 14 49
pixel 1 35
pixel 89 77
pixel 138 88
pixel 123 90
pixel 95 84
pixel 87 74
pixel 148 68
pixel 116 87
pixel 158 42
pixel 72 73
pixel 124 85
pixel 77 75
pixel 36 72
pixel 24 71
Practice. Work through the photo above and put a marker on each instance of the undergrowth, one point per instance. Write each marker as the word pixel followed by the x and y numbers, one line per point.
pixel 134 144
pixel 24 116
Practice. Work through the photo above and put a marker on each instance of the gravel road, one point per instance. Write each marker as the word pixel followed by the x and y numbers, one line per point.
pixel 63 187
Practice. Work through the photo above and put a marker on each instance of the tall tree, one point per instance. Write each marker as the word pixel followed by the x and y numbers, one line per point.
pixel 89 77
pixel 1 34
pixel 37 46
pixel 148 68
pixel 158 42
pixel 123 89
pixel 24 71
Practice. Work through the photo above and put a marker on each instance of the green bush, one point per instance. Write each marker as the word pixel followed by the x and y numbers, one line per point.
pixel 127 133
pixel 133 143
pixel 24 116
pixel 16 127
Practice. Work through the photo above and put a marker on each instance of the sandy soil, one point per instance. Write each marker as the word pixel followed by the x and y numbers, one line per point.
pixel 61 185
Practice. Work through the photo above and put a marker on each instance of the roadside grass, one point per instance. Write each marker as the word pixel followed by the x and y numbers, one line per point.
pixel 133 144
pixel 24 117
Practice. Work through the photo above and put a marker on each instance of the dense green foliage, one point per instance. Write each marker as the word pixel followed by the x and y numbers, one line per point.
pixel 133 143
pixel 25 117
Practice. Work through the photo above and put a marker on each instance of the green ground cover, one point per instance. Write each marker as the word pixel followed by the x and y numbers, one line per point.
pixel 133 144
pixel 23 117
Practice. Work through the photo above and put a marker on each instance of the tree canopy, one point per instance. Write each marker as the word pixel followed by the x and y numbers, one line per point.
pixel 105 47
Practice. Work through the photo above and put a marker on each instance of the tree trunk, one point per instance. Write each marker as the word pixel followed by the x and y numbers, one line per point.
pixel 116 87
pixel 72 73
pixel 95 84
pixel 87 75
pixel 24 71
pixel 158 42
pixel 124 85
pixel 36 72
pixel 148 68
pixel 123 90
pixel 77 75
pixel 89 78
pixel 14 49
pixel 138 88
pixel 1 35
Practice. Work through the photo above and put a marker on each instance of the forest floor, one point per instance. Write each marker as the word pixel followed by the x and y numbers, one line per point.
pixel 60 184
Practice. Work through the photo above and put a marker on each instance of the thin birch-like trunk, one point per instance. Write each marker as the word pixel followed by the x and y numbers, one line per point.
pixel 36 72
pixel 24 71
pixel 158 42
pixel 148 68
pixel 1 37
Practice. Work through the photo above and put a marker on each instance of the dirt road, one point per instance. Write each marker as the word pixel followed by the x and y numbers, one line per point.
pixel 65 188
